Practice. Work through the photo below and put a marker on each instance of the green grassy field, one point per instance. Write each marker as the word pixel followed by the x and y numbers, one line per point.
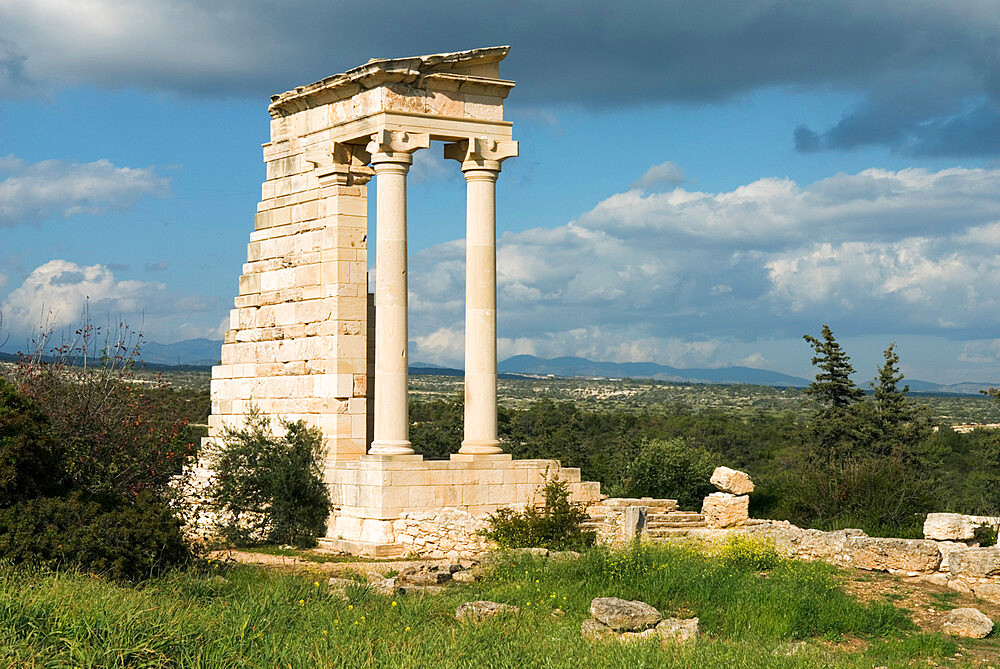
pixel 756 611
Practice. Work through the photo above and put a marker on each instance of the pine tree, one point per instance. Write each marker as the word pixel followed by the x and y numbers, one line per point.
pixel 833 387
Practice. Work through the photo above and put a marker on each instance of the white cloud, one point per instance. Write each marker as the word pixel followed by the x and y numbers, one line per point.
pixel 34 192
pixel 695 278
pixel 56 294
pixel 665 174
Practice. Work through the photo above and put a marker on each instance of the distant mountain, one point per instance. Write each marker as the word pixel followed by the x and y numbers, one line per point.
pixel 571 366
pixel 188 352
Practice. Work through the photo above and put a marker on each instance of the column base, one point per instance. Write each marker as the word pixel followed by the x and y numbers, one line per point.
pixel 469 457
pixel 385 447
pixel 480 447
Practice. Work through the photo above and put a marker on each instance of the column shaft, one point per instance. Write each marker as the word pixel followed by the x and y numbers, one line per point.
pixel 480 312
pixel 392 422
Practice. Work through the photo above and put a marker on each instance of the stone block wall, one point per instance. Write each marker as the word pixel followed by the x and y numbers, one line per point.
pixel 297 345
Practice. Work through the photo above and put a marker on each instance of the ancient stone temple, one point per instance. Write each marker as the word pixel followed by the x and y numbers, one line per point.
pixel 307 341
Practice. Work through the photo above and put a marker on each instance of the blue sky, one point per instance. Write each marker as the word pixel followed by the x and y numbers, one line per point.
pixel 699 183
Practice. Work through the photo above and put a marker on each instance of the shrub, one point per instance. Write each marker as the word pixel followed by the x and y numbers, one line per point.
pixel 556 526
pixel 986 534
pixel 121 539
pixel 672 469
pixel 744 552
pixel 31 461
pixel 119 436
pixel 267 488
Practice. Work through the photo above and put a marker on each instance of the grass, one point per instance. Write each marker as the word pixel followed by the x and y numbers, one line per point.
pixel 755 612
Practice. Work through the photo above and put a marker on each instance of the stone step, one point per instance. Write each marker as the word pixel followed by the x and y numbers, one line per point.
pixel 667 534
pixel 674 526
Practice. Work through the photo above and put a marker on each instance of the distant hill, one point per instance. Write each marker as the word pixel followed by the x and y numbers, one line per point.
pixel 188 352
pixel 203 353
pixel 571 366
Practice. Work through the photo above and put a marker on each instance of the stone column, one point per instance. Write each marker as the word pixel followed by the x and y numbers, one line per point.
pixel 391 157
pixel 481 165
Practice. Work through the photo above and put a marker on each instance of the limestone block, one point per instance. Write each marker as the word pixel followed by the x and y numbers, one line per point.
pixel 595 630
pixel 732 481
pixel 481 610
pixel 949 527
pixel 722 509
pixel 988 591
pixel 968 622
pixel 483 107
pixel 446 103
pixel 624 615
pixel 946 548
pixel 887 554
pixel 976 562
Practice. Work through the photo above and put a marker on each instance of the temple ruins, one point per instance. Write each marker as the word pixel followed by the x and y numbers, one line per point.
pixel 307 340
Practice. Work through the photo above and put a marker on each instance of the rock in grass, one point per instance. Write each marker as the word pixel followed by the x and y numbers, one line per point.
pixel 423 575
pixel 467 576
pixel 624 616
pixel 563 556
pixel 971 623
pixel 732 481
pixel 595 630
pixel 677 630
pixel 475 612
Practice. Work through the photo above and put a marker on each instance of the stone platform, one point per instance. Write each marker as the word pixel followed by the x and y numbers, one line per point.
pixel 372 495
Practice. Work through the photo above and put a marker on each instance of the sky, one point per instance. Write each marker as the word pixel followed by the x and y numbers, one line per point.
pixel 699 183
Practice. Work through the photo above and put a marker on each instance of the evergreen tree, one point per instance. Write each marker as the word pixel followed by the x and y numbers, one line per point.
pixel 833 387
pixel 897 423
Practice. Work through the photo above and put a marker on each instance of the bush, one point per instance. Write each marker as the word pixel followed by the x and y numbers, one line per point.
pixel 269 489
pixel 556 526
pixel 119 436
pixel 31 460
pixel 672 469
pixel 124 540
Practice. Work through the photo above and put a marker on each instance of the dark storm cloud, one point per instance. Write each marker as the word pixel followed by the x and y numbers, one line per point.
pixel 915 64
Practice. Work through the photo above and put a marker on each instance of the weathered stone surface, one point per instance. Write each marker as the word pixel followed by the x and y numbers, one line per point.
pixel 722 509
pixel 420 589
pixel 732 481
pixel 971 623
pixel 533 552
pixel 624 615
pixel 976 562
pixel 464 577
pixel 988 591
pixel 884 554
pixel 677 630
pixel 946 548
pixel 595 630
pixel 948 527
pixel 424 575
pixel 644 635
pixel 384 586
pixel 955 526
pixel 478 611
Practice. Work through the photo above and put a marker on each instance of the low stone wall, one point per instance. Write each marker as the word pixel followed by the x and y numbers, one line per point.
pixel 445 533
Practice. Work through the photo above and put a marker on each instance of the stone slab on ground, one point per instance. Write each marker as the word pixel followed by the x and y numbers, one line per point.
pixel 888 554
pixel 481 610
pixel 976 562
pixel 955 526
pixel 971 623
pixel 623 615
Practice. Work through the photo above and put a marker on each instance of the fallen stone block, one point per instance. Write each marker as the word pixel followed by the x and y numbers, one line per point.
pixel 971 623
pixel 988 591
pixel 624 616
pixel 949 527
pixel 464 577
pixel 677 630
pixel 886 554
pixel 975 562
pixel 732 481
pixel 475 612
pixel 424 575
pixel 595 630
pixel 722 509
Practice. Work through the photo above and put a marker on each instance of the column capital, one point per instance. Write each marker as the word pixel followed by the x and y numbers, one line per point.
pixel 340 164
pixel 396 146
pixel 481 153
